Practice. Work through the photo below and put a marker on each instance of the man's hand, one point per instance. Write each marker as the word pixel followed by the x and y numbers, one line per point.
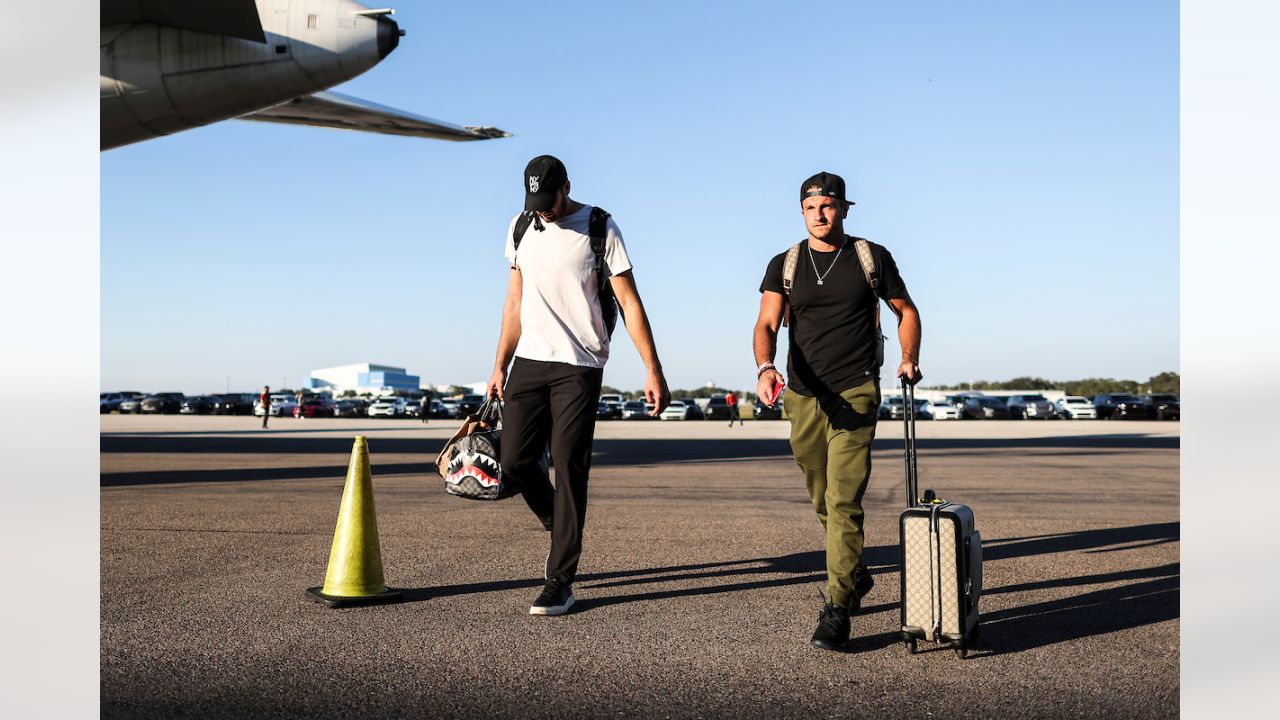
pixel 496 381
pixel 656 393
pixel 764 386
pixel 910 371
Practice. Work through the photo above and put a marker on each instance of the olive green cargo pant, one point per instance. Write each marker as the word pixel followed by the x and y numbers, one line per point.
pixel 831 441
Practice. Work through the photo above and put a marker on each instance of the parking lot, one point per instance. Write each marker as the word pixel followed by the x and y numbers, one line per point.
pixel 697 592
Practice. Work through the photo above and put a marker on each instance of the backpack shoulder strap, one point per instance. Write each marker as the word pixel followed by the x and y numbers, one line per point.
pixel 789 267
pixel 521 227
pixel 872 273
pixel 598 230
pixel 789 264
pixel 868 263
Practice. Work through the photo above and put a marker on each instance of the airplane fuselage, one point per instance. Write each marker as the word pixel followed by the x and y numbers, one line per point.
pixel 157 80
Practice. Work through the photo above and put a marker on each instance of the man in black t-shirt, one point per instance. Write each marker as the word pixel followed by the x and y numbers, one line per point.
pixel 833 380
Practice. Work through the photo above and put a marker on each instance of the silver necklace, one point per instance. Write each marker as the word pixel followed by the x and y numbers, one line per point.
pixel 815 264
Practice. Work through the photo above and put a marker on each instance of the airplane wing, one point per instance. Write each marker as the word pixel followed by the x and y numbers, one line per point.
pixel 334 110
pixel 234 18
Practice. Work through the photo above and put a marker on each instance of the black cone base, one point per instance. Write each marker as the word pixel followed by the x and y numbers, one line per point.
pixel 335 601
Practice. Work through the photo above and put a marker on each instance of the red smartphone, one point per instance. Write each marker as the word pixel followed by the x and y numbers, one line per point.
pixel 778 385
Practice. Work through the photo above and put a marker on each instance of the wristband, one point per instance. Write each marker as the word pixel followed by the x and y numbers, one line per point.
pixel 764 366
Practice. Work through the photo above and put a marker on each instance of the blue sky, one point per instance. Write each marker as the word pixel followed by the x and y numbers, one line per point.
pixel 1019 159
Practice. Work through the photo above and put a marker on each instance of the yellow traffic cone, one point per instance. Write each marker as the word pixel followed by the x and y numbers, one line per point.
pixel 354 576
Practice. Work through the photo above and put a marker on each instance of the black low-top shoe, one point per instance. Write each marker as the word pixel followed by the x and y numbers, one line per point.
pixel 556 599
pixel 833 628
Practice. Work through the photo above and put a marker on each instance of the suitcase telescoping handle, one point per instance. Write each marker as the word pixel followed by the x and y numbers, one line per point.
pixel 909 440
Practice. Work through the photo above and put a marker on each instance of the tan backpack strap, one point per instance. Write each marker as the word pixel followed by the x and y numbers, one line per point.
pixel 868 264
pixel 789 267
pixel 869 270
pixel 788 278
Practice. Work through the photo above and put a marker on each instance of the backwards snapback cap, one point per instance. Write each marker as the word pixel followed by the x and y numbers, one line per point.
pixel 825 184
pixel 543 178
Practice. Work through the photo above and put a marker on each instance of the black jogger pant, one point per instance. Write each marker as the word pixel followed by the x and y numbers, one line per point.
pixel 557 402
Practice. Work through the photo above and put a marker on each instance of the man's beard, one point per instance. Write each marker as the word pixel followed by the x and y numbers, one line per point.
pixel 822 232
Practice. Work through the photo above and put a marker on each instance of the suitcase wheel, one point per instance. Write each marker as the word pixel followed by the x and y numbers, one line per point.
pixel 911 646
pixel 961 651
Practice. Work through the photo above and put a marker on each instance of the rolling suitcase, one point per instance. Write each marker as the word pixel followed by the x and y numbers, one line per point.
pixel 941 556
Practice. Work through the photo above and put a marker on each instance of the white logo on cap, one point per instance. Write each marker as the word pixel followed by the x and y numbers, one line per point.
pixel 533 183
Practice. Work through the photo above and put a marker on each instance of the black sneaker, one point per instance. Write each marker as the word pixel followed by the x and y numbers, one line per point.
pixel 556 599
pixel 833 628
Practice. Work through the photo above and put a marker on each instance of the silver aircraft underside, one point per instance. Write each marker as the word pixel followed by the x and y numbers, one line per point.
pixel 172 65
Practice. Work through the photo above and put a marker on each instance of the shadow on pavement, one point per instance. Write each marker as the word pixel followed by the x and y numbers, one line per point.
pixel 1093 613
pixel 1152 598
pixel 331 472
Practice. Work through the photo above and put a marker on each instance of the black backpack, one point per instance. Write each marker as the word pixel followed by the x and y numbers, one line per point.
pixel 597 229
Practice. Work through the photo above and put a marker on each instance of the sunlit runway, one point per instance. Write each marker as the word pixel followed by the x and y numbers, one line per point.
pixel 698 587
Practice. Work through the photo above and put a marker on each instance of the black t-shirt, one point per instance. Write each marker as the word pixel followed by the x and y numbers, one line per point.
pixel 832 336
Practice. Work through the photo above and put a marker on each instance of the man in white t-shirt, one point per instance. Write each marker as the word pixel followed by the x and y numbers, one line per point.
pixel 554 325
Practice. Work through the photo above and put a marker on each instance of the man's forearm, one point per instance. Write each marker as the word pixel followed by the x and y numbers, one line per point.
pixel 637 322
pixel 765 344
pixel 508 338
pixel 909 336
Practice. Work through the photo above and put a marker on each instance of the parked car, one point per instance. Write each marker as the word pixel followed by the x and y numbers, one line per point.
pixel 717 408
pixel 1105 405
pixel 197 405
pixel 350 407
pixel 470 404
pixel 681 410
pixel 958 399
pixel 278 404
pixel 1161 406
pixel 1030 407
pixel 760 411
pixel 413 407
pixel 939 410
pixel 983 407
pixel 603 411
pixel 891 408
pixel 131 404
pixel 450 407
pixel 234 404
pixel 635 410
pixel 109 402
pixel 438 410
pixel 167 403
pixel 1075 407
pixel 615 406
pixel 387 406
pixel 315 406
pixel 283 404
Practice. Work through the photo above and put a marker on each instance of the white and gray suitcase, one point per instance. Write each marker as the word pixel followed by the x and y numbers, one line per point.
pixel 941 556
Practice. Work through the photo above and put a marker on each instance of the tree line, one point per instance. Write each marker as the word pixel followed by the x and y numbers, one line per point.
pixel 1165 382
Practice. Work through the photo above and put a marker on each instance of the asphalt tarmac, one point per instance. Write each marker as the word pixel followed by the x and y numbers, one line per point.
pixel 697 592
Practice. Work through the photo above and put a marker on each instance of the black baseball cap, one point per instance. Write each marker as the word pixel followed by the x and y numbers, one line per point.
pixel 543 178
pixel 829 184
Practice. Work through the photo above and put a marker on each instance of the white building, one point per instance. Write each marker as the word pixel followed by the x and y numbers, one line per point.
pixel 362 378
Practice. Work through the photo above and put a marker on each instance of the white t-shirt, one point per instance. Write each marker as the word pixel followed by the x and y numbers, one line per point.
pixel 560 318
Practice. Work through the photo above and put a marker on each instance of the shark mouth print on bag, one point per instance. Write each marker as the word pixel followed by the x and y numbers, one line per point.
pixel 474 471
pixel 480 468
